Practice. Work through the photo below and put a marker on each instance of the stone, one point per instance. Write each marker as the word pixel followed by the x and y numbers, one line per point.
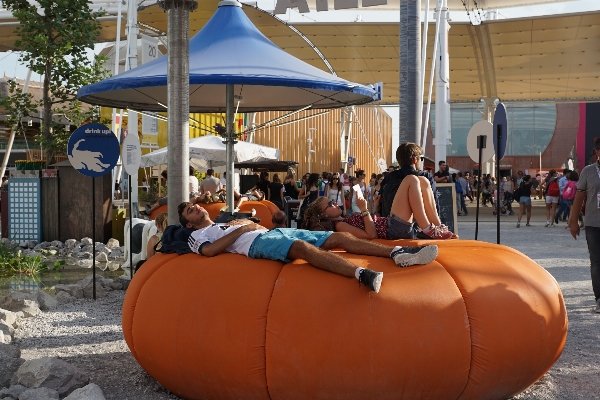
pixel 42 393
pixel 86 263
pixel 101 256
pixel 10 366
pixel 112 243
pixel 86 241
pixel 46 302
pixel 114 253
pixel 7 329
pixel 114 285
pixel 71 243
pixel 64 297
pixel 88 291
pixel 123 280
pixel 89 392
pixel 57 243
pixel 9 317
pixel 50 373
pixel 9 351
pixel 113 266
pixel 12 392
pixel 21 301
pixel 73 289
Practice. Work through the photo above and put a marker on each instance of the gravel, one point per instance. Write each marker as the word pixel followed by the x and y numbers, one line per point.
pixel 88 333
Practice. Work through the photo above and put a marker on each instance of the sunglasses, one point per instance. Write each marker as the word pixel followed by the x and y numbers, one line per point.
pixel 331 203
pixel 335 178
pixel 422 158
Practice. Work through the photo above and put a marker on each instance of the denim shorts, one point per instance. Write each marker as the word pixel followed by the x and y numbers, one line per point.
pixel 552 199
pixel 275 244
pixel 397 228
pixel 525 200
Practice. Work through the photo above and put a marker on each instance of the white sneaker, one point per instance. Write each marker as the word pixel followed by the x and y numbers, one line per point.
pixel 547 224
pixel 518 224
pixel 407 255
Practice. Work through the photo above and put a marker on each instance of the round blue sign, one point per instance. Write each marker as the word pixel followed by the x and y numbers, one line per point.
pixel 93 150
pixel 500 133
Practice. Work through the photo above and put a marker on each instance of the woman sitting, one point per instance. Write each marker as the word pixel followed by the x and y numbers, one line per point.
pixel 154 242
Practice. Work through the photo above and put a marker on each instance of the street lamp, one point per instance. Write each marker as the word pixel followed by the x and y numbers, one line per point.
pixel 310 150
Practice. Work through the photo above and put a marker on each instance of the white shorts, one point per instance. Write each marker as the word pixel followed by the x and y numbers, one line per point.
pixel 551 199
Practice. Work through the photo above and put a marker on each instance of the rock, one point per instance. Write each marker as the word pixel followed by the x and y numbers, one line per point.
pixel 10 366
pixel 46 302
pixel 64 297
pixel 9 351
pixel 114 285
pixel 5 339
pixel 74 290
pixel 101 256
pixel 89 392
pixel 113 266
pixel 51 252
pixel 86 241
pixel 50 373
pixel 100 246
pixel 86 263
pixel 42 393
pixel 64 252
pixel 123 280
pixel 7 329
pixel 112 243
pixel 57 244
pixel 9 317
pixel 21 301
pixel 71 243
pixel 12 392
pixel 88 291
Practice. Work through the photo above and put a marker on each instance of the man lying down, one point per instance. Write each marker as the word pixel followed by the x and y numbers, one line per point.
pixel 286 244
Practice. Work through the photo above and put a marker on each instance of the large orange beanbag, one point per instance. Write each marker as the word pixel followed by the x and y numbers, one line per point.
pixel 483 321
pixel 264 210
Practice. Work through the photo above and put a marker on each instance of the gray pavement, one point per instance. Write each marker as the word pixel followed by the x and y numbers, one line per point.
pixel 576 375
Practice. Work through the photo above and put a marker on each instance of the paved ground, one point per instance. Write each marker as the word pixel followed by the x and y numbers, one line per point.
pixel 576 375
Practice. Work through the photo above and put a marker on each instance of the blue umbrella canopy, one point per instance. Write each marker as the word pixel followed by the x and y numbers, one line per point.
pixel 230 50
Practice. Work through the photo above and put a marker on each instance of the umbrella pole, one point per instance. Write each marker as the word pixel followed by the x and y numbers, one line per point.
pixel 229 143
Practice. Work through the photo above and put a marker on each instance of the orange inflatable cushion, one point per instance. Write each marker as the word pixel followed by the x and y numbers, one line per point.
pixel 483 321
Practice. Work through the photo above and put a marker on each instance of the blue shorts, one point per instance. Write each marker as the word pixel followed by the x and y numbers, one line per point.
pixel 398 228
pixel 275 244
pixel 525 200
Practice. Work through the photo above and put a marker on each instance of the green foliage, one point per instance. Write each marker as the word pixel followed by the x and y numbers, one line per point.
pixel 13 262
pixel 56 45
pixel 152 194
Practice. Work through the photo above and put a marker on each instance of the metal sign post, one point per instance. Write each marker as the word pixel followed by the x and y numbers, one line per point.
pixel 93 150
pixel 500 138
pixel 131 154
pixel 481 144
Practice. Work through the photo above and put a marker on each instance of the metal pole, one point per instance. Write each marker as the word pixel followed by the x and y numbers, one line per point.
pixel 130 229
pixel 410 70
pixel 94 236
pixel 178 101
pixel 480 146
pixel 431 76
pixel 229 143
pixel 423 63
pixel 499 137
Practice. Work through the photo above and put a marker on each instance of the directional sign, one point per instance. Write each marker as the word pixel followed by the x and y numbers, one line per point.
pixel 131 154
pixel 501 121
pixel 480 128
pixel 93 150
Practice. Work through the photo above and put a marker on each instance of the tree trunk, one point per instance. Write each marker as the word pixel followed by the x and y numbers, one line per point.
pixel 410 70
pixel 47 117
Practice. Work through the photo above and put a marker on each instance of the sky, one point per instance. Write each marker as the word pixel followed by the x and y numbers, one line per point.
pixel 10 66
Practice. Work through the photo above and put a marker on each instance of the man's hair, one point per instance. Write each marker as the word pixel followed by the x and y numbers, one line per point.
pixel 597 143
pixel 210 172
pixel 459 174
pixel 182 220
pixel 192 170
pixel 282 220
pixel 566 171
pixel 406 152
pixel 164 174
pixel 442 162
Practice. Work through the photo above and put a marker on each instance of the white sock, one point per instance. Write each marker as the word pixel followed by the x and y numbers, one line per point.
pixel 357 272
pixel 395 249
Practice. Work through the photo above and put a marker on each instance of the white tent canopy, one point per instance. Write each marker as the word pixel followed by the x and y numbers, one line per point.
pixel 210 152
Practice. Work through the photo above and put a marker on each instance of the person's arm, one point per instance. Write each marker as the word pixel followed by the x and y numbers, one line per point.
pixel 281 192
pixel 575 211
pixel 268 193
pixel 150 246
pixel 302 194
pixel 326 191
pixel 369 232
pixel 219 245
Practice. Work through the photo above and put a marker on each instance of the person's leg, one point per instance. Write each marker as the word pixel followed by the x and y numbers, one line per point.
pixel 553 213
pixel 403 256
pixel 528 208
pixel 414 199
pixel 521 210
pixel 592 236
pixel 463 204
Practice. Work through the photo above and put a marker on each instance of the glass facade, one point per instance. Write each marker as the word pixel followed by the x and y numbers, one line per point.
pixel 530 127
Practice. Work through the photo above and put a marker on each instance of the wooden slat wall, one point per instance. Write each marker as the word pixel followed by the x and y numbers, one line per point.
pixel 291 139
